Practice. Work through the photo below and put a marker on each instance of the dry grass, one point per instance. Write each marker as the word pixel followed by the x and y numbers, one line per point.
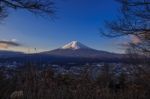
pixel 34 84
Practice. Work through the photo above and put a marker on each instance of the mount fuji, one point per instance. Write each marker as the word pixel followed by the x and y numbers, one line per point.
pixel 71 52
pixel 78 50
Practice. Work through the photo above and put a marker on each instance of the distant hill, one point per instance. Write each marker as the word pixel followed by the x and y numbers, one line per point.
pixel 8 54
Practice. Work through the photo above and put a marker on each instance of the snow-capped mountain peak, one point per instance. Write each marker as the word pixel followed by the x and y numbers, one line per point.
pixel 74 45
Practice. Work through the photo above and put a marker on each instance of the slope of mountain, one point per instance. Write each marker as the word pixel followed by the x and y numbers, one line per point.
pixel 77 49
pixel 71 52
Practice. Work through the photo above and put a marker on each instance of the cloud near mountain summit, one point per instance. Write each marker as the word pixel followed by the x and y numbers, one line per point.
pixel 8 43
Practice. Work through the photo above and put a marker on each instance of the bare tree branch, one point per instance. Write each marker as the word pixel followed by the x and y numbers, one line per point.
pixel 134 20
pixel 40 7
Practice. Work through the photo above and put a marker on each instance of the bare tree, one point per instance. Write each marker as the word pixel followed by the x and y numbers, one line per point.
pixel 40 7
pixel 134 20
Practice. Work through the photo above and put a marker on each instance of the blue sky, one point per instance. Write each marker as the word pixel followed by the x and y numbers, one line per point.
pixel 74 20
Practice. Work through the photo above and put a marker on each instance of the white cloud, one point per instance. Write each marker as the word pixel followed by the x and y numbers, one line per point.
pixel 14 40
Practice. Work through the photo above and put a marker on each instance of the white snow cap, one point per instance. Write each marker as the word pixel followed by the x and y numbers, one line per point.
pixel 74 45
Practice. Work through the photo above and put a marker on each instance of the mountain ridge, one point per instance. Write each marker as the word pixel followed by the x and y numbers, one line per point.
pixel 77 49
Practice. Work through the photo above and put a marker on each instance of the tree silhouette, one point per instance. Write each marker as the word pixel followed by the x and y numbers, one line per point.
pixel 133 20
pixel 39 7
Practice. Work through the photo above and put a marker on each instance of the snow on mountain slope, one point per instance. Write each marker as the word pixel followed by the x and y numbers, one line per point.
pixel 74 45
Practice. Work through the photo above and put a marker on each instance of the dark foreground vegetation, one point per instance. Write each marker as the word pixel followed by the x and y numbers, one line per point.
pixel 31 83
